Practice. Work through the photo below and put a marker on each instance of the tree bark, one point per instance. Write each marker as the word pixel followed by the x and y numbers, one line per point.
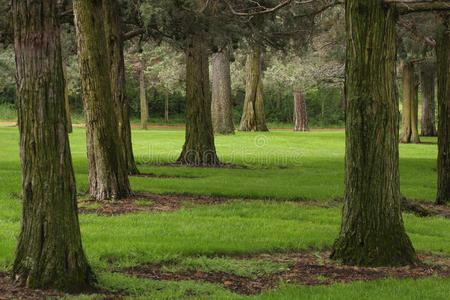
pixel 410 132
pixel 300 116
pixel 66 101
pixel 428 108
pixel 108 172
pixel 199 148
pixel 49 252
pixel 222 110
pixel 166 106
pixel 113 24
pixel 372 230
pixel 443 79
pixel 143 96
pixel 253 118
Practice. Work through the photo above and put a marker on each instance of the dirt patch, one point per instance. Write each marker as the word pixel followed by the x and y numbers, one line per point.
pixel 152 175
pixel 179 164
pixel 436 209
pixel 312 268
pixel 141 202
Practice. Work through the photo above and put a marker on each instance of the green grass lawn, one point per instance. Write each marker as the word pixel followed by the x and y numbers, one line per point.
pixel 281 167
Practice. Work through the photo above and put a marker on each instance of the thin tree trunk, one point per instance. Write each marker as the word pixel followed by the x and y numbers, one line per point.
pixel 66 101
pixel 166 106
pixel 143 96
pixel 222 110
pixel 108 172
pixel 428 108
pixel 199 148
pixel 300 116
pixel 113 31
pixel 443 79
pixel 372 230
pixel 49 252
pixel 410 132
pixel 278 101
pixel 253 118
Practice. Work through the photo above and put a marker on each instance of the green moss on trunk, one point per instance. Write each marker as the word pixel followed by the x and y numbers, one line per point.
pixel 372 231
pixel 49 252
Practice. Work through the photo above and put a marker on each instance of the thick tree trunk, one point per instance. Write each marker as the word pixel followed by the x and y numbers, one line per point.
pixel 253 118
pixel 443 79
pixel 428 107
pixel 372 231
pixel 199 148
pixel 49 252
pixel 222 110
pixel 300 116
pixel 108 172
pixel 117 66
pixel 410 132
pixel 166 106
pixel 143 96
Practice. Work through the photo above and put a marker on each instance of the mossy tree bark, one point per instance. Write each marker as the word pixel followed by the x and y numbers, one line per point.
pixel 427 82
pixel 372 230
pixel 143 96
pixel 443 79
pixel 410 105
pixel 108 172
pixel 199 148
pixel 49 252
pixel 113 24
pixel 300 115
pixel 253 118
pixel 222 110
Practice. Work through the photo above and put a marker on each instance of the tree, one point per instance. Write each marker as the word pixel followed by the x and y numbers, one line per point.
pixel 253 115
pixel 443 75
pixel 222 110
pixel 427 83
pixel 49 253
pixel 114 37
pixel 108 172
pixel 300 116
pixel 410 132
pixel 372 230
pixel 143 95
pixel 199 148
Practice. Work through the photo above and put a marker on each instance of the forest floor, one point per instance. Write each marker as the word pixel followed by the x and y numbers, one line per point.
pixel 261 229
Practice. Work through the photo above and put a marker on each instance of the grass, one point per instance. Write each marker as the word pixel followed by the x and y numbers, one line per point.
pixel 282 167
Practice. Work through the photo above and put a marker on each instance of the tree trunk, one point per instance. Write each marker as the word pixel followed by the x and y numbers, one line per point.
pixel 117 65
pixel 253 118
pixel 222 110
pixel 372 231
pixel 108 172
pixel 428 108
pixel 166 106
pixel 410 132
pixel 66 101
pixel 443 79
pixel 300 116
pixel 143 96
pixel 199 148
pixel 49 252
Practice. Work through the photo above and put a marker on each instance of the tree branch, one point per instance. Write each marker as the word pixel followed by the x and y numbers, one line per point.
pixel 131 34
pixel 410 6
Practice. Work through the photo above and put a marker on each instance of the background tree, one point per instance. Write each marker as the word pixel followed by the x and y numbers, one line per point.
pixel 428 84
pixel 108 172
pixel 300 115
pixel 49 253
pixel 410 131
pixel 372 230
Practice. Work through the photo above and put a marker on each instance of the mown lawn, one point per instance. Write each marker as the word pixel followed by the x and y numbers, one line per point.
pixel 280 168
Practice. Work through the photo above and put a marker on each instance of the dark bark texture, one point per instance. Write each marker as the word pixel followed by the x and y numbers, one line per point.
pixel 443 78
pixel 253 118
pixel 113 24
pixel 49 252
pixel 410 105
pixel 108 172
pixel 372 230
pixel 199 148
pixel 300 116
pixel 427 83
pixel 222 110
